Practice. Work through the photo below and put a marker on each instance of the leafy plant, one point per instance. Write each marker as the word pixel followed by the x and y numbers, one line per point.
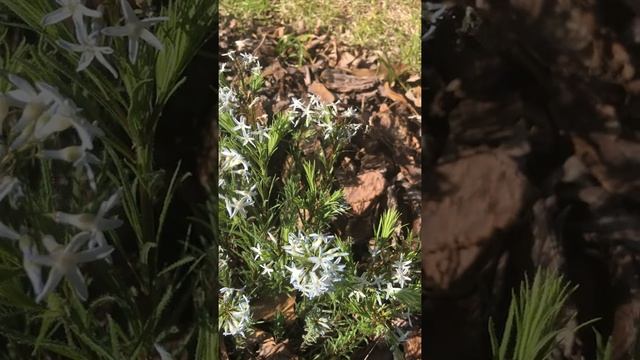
pixel 66 181
pixel 278 199
pixel 535 320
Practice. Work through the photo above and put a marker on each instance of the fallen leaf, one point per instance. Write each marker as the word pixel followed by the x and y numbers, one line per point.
pixel 387 92
pixel 266 309
pixel 415 95
pixel 322 92
pixel 369 186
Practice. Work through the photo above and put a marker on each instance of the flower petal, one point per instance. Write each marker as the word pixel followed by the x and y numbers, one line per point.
pixel 34 273
pixel 151 39
pixel 22 84
pixel 77 282
pixel 105 63
pixel 128 12
pixel 133 50
pixel 89 12
pixel 110 203
pixel 70 46
pixel 50 243
pixel 55 124
pixel 85 60
pixel 77 242
pixel 98 253
pixel 56 16
pixel 8 233
pixel 54 279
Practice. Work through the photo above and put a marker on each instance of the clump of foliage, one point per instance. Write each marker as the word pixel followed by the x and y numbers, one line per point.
pixel 535 322
pixel 82 203
pixel 278 200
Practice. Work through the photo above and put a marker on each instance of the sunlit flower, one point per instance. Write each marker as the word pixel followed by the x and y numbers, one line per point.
pixel 390 291
pixel 89 49
pixel 227 99
pixel 266 270
pixel 317 263
pixel 258 250
pixel 233 162
pixel 230 54
pixel 350 112
pixel 307 112
pixel 135 29
pixel 402 269
pixel 64 261
pixel 74 9
pixel 96 224
pixel 234 312
pixel 245 130
pixel 238 205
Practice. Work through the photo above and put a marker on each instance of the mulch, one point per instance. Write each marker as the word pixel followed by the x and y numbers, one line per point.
pixel 532 160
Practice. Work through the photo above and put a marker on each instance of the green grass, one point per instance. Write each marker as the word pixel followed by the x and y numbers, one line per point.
pixel 393 28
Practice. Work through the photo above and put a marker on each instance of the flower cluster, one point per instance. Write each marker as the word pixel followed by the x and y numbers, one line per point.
pixel 324 117
pixel 315 263
pixel 38 115
pixel 91 42
pixel 234 312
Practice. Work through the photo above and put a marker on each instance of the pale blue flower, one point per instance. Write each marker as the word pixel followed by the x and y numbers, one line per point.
pixel 96 224
pixel 235 313
pixel 317 263
pixel 64 261
pixel 74 9
pixel 89 49
pixel 135 29
pixel 402 270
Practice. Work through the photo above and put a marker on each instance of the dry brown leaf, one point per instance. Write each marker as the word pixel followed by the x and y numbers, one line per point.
pixel 322 92
pixel 345 59
pixel 266 309
pixel 271 350
pixel 415 95
pixel 387 92
pixel 370 185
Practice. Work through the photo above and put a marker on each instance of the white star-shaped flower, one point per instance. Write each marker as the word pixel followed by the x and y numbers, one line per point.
pixel 63 115
pixel 96 224
pixel 258 250
pixel 64 261
pixel 33 101
pixel 74 9
pixel 266 270
pixel 89 49
pixel 135 29
pixel 77 155
pixel 402 270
